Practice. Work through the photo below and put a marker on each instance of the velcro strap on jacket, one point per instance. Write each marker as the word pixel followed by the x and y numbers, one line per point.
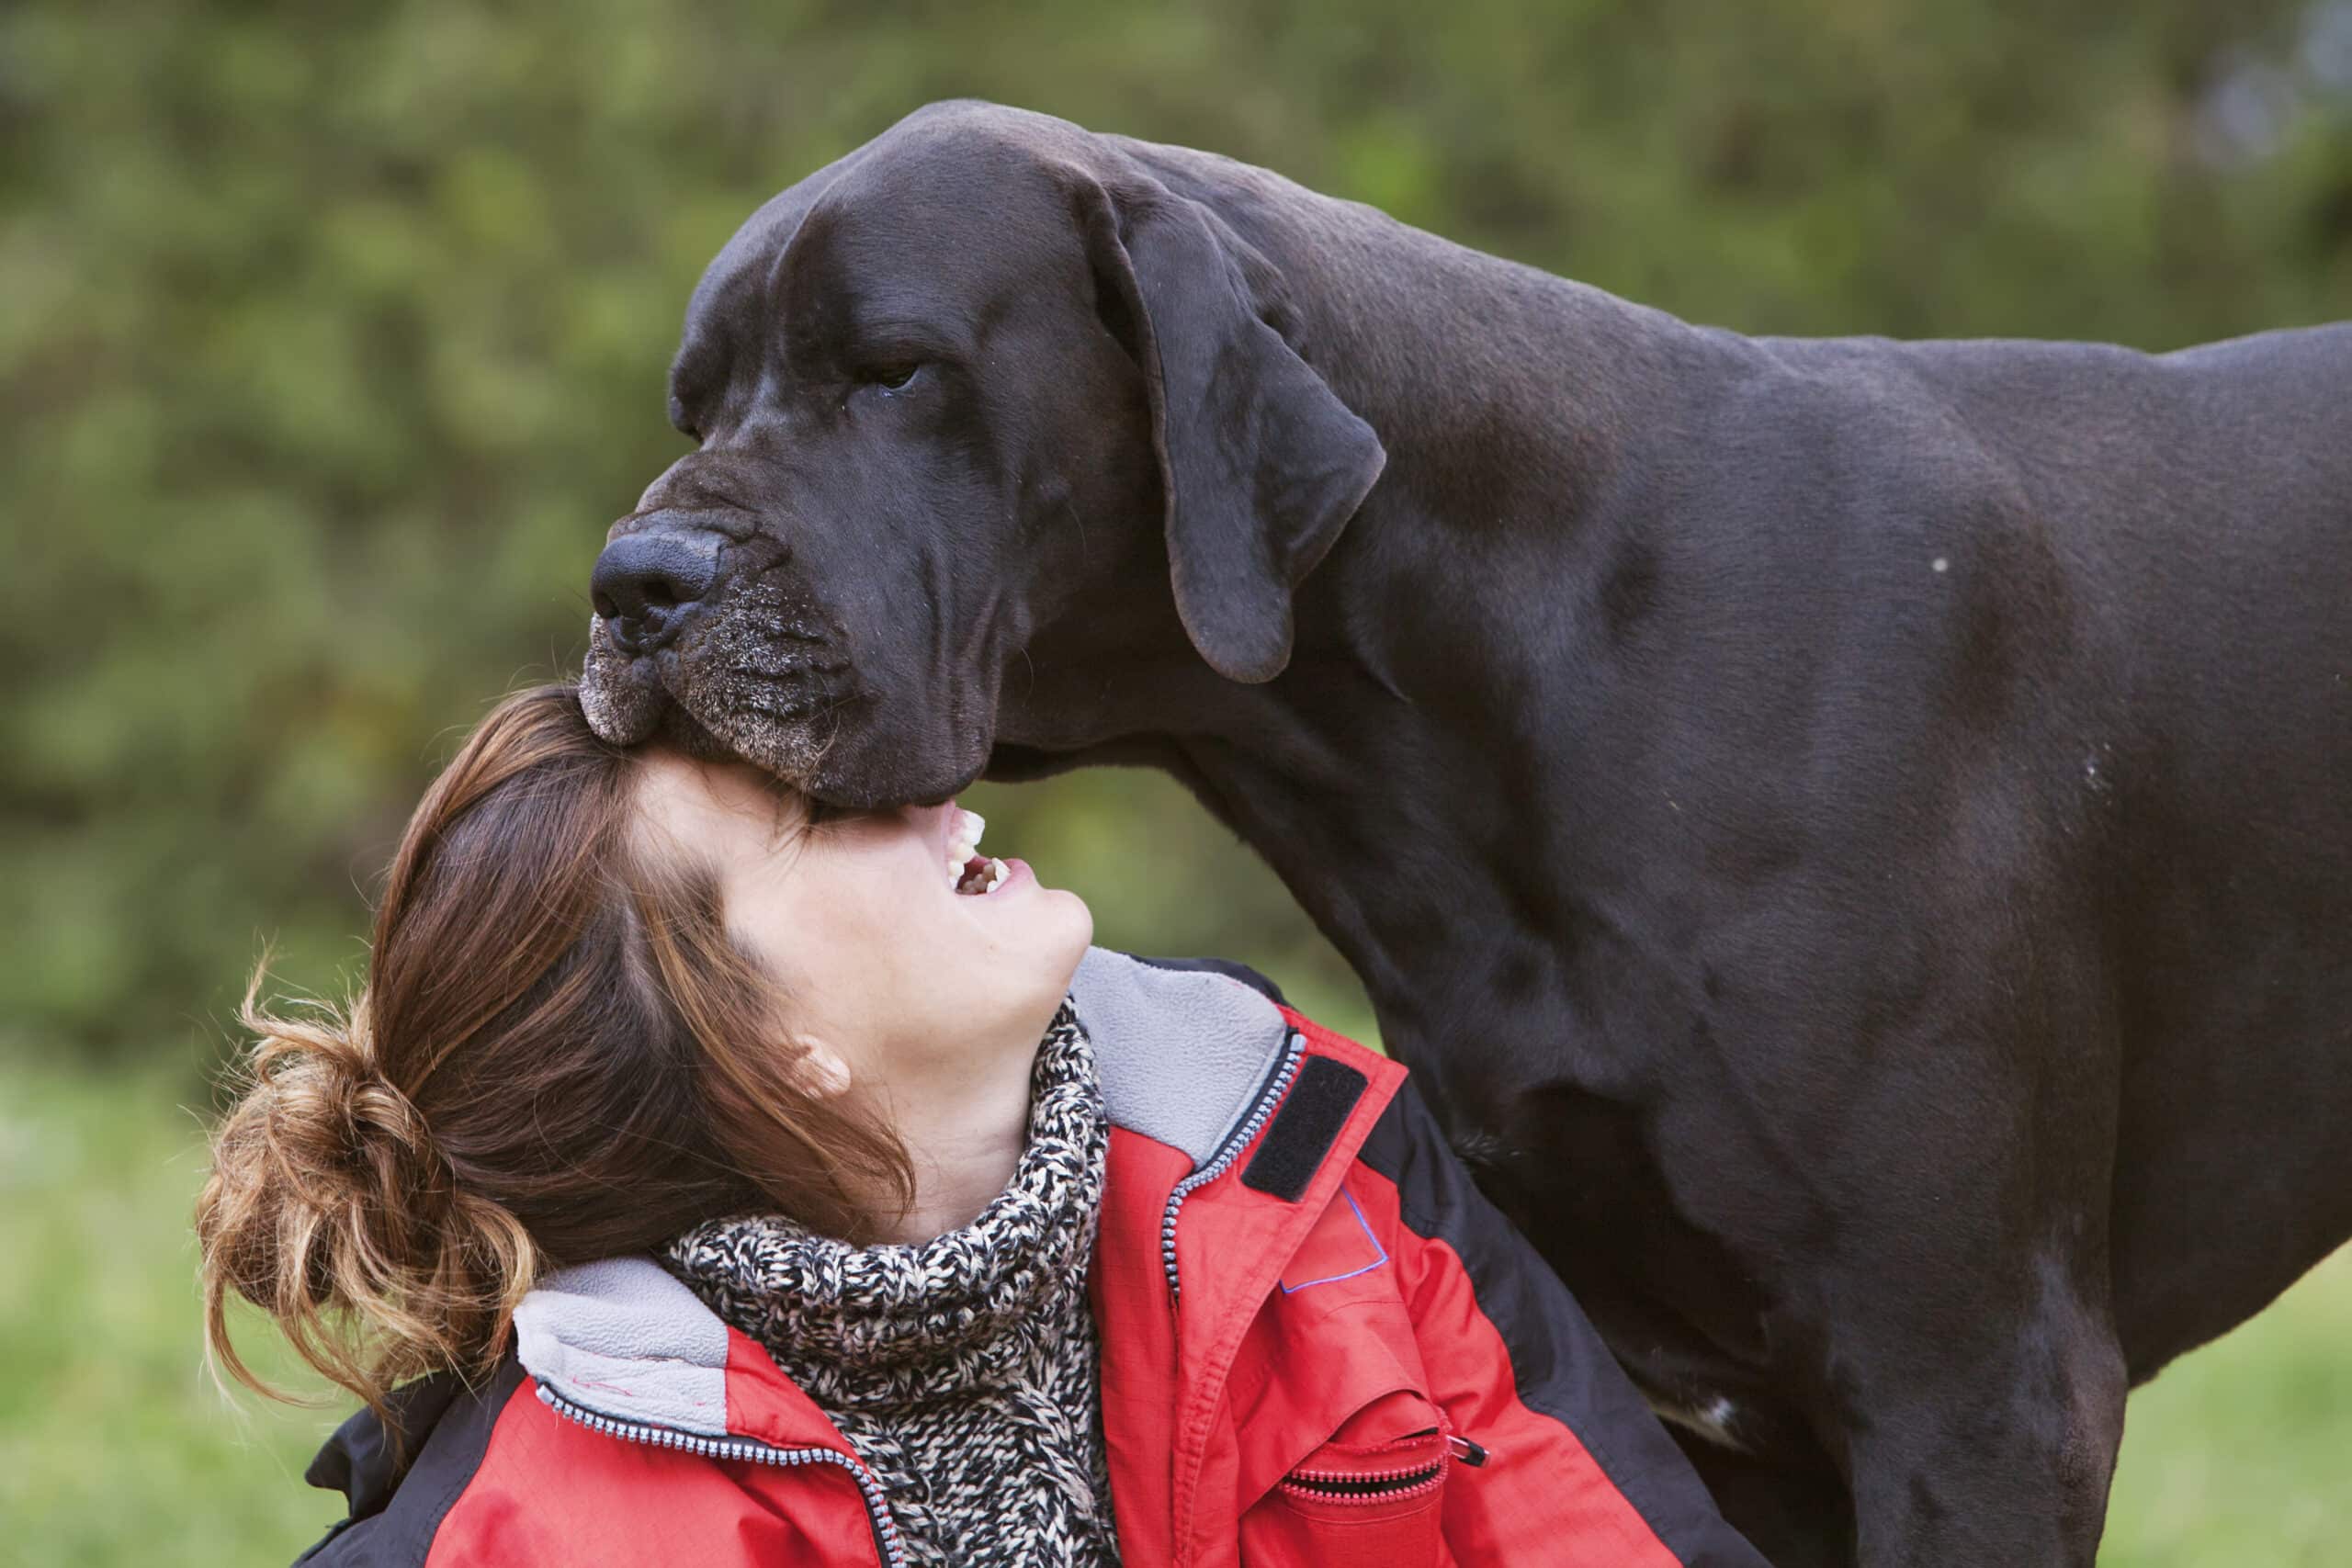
pixel 1305 1128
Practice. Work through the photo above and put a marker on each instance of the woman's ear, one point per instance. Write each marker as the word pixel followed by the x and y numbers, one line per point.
pixel 820 1069
pixel 1260 462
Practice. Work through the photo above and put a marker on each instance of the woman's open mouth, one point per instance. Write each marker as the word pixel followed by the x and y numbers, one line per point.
pixel 970 873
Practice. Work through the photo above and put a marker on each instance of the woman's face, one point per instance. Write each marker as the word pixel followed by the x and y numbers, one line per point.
pixel 892 976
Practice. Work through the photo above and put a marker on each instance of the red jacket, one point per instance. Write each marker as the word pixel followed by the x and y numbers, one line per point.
pixel 1319 1345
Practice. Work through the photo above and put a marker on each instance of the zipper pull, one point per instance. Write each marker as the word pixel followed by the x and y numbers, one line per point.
pixel 1465 1450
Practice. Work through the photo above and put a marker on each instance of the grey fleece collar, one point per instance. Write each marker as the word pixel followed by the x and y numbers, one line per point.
pixel 1181 1054
pixel 621 1337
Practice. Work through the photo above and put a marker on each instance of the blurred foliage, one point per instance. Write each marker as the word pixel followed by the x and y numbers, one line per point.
pixel 332 336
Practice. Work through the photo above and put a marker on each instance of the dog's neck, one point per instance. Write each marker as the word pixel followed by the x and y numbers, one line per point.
pixel 1502 399
pixel 1482 376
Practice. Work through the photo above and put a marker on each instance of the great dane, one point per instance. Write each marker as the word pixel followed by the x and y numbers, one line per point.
pixel 1854 835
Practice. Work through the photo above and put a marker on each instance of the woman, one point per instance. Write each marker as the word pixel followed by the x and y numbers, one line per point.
pixel 707 1174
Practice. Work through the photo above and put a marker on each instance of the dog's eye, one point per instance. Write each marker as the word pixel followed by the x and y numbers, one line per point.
pixel 892 377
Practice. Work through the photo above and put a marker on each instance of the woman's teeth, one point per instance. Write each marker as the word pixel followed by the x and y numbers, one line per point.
pixel 968 873
pixel 962 839
pixel 986 877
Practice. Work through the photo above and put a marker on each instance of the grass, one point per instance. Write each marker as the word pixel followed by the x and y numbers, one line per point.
pixel 115 1446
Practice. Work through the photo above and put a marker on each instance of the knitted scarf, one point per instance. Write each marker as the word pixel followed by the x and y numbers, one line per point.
pixel 963 1370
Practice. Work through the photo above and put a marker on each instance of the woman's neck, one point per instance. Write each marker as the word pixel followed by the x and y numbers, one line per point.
pixel 964 1128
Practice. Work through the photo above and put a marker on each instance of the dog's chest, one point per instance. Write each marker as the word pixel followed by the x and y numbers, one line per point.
pixel 1682 1312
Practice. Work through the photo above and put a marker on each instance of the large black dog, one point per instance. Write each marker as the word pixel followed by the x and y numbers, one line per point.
pixel 1855 837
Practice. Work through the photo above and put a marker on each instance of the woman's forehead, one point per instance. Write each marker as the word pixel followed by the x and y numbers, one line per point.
pixel 716 802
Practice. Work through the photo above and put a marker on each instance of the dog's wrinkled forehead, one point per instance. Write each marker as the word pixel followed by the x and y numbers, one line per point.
pixel 921 232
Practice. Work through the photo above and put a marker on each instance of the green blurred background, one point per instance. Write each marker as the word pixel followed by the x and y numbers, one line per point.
pixel 332 336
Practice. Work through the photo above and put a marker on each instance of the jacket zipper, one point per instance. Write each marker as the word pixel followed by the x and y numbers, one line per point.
pixel 877 1511
pixel 1293 1054
pixel 1366 1485
pixel 1380 1484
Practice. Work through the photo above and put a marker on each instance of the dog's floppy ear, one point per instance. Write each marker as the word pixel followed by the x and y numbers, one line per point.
pixel 1261 463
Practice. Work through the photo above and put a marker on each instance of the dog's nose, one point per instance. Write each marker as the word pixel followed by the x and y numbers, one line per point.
pixel 645 582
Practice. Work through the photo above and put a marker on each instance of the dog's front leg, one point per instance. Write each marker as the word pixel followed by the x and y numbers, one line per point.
pixel 2000 1454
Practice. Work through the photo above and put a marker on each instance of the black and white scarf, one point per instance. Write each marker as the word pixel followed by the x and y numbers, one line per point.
pixel 963 1370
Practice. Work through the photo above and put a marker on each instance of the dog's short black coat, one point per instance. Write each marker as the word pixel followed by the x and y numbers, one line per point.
pixel 1853 836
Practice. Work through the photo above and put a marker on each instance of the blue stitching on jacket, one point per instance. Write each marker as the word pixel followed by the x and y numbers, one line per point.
pixel 1335 1278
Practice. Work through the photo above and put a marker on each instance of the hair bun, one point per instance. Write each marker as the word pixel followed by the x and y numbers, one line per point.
pixel 330 1207
pixel 336 1128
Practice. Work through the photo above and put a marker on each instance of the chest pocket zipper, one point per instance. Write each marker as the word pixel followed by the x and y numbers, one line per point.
pixel 1363 1485
pixel 1365 1504
pixel 1383 1484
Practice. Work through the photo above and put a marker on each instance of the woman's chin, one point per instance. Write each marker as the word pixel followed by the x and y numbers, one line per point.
pixel 1032 927
pixel 1073 925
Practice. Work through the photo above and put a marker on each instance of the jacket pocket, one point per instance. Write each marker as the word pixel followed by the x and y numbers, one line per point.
pixel 1371 1497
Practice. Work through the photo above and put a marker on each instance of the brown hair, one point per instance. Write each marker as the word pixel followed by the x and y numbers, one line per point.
pixel 559 1054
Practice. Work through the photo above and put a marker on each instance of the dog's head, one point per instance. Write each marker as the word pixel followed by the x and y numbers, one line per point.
pixel 958 386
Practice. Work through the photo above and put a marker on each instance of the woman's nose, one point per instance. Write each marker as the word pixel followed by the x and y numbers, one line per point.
pixel 646 581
